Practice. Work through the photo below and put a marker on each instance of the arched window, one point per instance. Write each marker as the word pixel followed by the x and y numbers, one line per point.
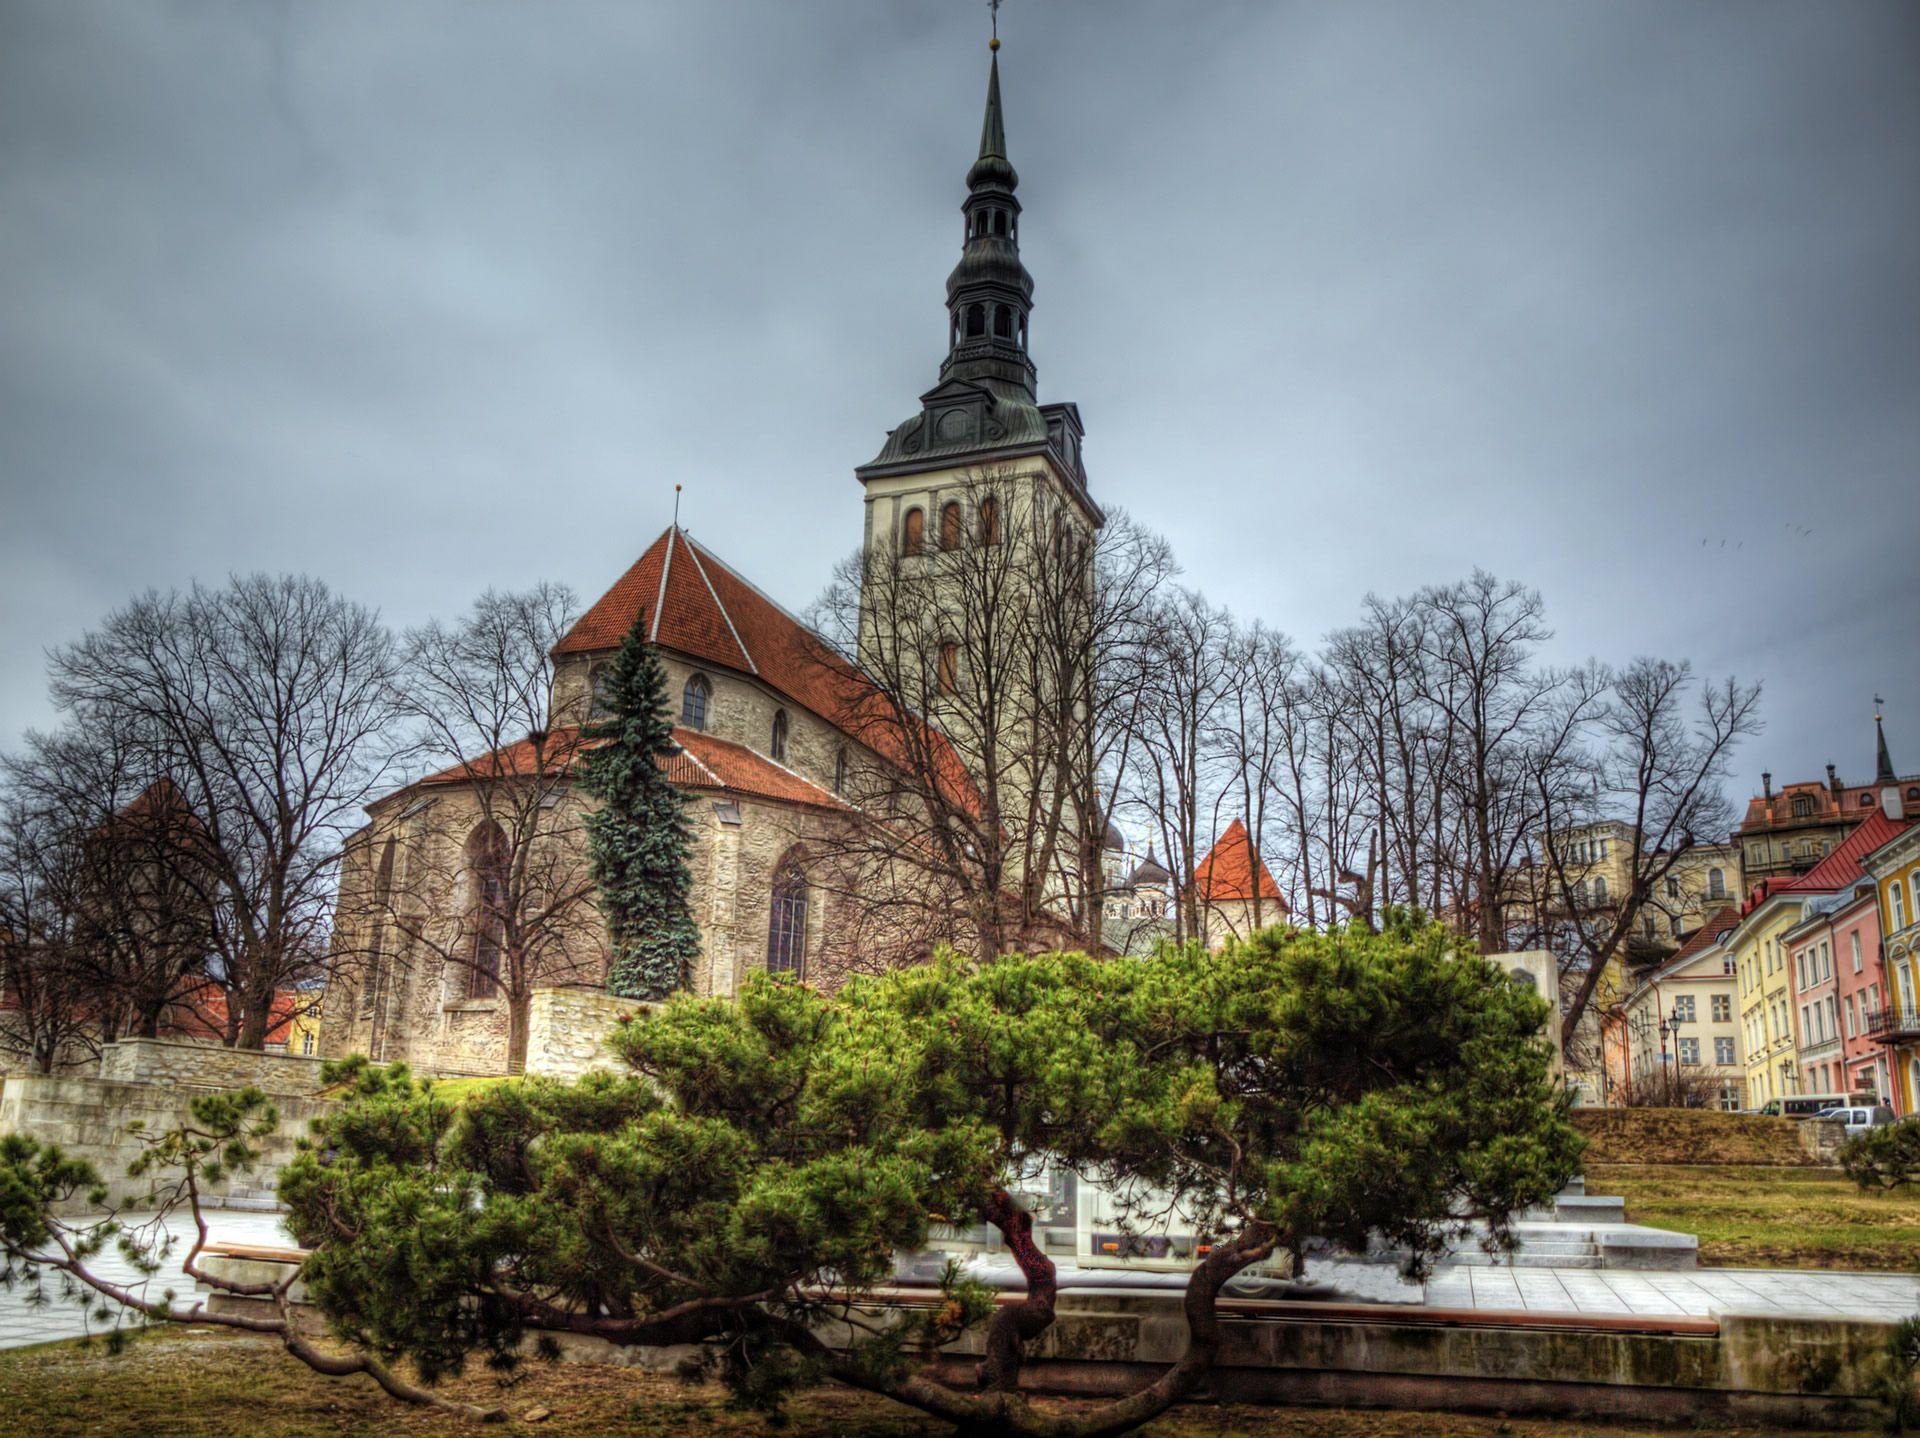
pixel 787 920
pixel 989 520
pixel 950 526
pixel 1716 884
pixel 949 676
pixel 602 676
pixel 840 772
pixel 1003 322
pixel 376 945
pixel 1599 890
pixel 487 864
pixel 913 532
pixel 779 746
pixel 976 321
pixel 1866 801
pixel 694 700
pixel 999 222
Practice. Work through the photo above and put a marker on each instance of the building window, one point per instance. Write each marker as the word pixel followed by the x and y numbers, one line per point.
pixel 787 921
pixel 950 526
pixel 487 862
pixel 1716 884
pixel 693 702
pixel 1683 1009
pixel 1002 321
pixel 989 520
pixel 1673 887
pixel 1599 890
pixel 306 1044
pixel 1802 806
pixel 1689 1051
pixel 976 321
pixel 1673 925
pixel 376 946
pixel 597 706
pixel 913 532
pixel 840 772
pixel 1897 902
pixel 779 745
pixel 1866 801
pixel 949 674
pixel 1723 1008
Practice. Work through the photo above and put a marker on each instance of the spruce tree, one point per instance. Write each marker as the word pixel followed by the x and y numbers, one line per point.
pixel 638 839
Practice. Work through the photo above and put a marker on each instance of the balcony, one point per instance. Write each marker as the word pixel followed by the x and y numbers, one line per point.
pixel 1893 1026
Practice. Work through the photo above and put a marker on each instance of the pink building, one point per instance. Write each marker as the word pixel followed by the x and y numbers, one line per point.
pixel 1834 957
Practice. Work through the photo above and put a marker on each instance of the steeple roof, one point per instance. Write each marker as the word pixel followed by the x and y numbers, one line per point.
pixel 1233 872
pixel 1884 774
pixel 992 167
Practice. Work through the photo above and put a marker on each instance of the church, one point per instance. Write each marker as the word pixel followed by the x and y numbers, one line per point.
pixel 779 755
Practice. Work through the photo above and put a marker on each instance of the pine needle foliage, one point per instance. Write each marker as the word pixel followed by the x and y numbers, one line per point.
pixel 638 840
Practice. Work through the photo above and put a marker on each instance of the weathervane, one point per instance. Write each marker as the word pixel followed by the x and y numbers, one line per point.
pixel 993 7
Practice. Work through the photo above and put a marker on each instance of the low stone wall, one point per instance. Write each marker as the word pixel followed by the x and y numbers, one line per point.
pixel 568 1029
pixel 1705 1136
pixel 88 1118
pixel 208 1066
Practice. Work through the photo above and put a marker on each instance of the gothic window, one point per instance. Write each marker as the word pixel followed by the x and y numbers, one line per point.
pixel 976 321
pixel 989 520
pixel 949 667
pixel 840 772
pixel 1003 322
pixel 950 525
pixel 913 533
pixel 487 864
pixel 779 746
pixel 787 920
pixel 382 897
pixel 602 676
pixel 694 700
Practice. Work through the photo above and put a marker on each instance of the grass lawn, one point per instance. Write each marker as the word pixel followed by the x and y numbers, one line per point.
pixel 218 1385
pixel 1759 1216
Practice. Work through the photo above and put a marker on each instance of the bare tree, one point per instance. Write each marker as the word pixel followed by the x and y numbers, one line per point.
pixel 48 1009
pixel 1660 769
pixel 480 872
pixel 990 683
pixel 128 862
pixel 1254 733
pixel 271 706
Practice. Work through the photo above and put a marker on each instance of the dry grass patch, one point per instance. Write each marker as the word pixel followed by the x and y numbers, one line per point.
pixel 216 1385
pixel 1770 1216
pixel 1689 1136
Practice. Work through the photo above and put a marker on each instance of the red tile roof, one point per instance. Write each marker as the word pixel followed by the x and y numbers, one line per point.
pixel 1841 868
pixel 709 763
pixel 1706 935
pixel 200 1014
pixel 1231 871
pixel 700 607
pixel 706 762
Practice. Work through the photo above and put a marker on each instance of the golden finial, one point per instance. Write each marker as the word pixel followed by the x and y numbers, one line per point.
pixel 994 43
pixel 993 7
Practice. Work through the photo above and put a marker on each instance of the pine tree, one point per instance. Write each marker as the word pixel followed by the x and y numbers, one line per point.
pixel 638 839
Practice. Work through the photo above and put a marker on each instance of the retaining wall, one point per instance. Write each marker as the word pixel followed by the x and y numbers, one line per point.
pixel 88 1118
pixel 208 1066
pixel 568 1029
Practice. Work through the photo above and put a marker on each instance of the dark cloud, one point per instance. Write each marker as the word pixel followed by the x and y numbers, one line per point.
pixel 426 297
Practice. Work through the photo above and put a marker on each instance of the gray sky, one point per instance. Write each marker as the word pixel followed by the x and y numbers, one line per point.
pixel 1619 299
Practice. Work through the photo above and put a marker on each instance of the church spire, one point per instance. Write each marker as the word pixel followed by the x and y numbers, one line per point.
pixel 990 293
pixel 1884 774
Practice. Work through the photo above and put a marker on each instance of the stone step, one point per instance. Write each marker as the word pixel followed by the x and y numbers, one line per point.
pixel 251 1201
pixel 1523 1259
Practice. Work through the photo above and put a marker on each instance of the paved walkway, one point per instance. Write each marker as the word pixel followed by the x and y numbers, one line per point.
pixel 22 1321
pixel 1702 1292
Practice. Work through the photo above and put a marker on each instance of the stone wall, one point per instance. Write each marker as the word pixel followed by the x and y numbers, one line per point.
pixel 88 1118
pixel 207 1066
pixel 567 1031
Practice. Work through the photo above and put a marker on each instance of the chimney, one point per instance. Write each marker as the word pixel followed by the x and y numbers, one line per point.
pixel 1766 782
pixel 1832 782
pixel 1891 803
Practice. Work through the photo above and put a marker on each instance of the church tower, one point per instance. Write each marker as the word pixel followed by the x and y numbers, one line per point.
pixel 981 457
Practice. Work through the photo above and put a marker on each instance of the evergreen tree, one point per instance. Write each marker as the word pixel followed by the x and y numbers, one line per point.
pixel 638 839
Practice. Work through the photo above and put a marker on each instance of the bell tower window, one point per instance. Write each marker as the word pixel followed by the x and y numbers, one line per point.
pixel 913 533
pixel 1003 322
pixel 950 525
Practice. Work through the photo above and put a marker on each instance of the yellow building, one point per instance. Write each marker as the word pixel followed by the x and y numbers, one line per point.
pixel 1894 868
pixel 1757 945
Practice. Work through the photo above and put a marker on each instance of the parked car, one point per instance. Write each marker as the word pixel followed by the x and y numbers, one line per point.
pixel 1859 1120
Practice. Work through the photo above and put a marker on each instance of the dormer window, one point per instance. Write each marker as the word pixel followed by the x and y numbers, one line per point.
pixel 1802 806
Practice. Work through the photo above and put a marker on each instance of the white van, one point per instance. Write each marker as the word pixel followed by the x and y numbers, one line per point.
pixel 1859 1120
